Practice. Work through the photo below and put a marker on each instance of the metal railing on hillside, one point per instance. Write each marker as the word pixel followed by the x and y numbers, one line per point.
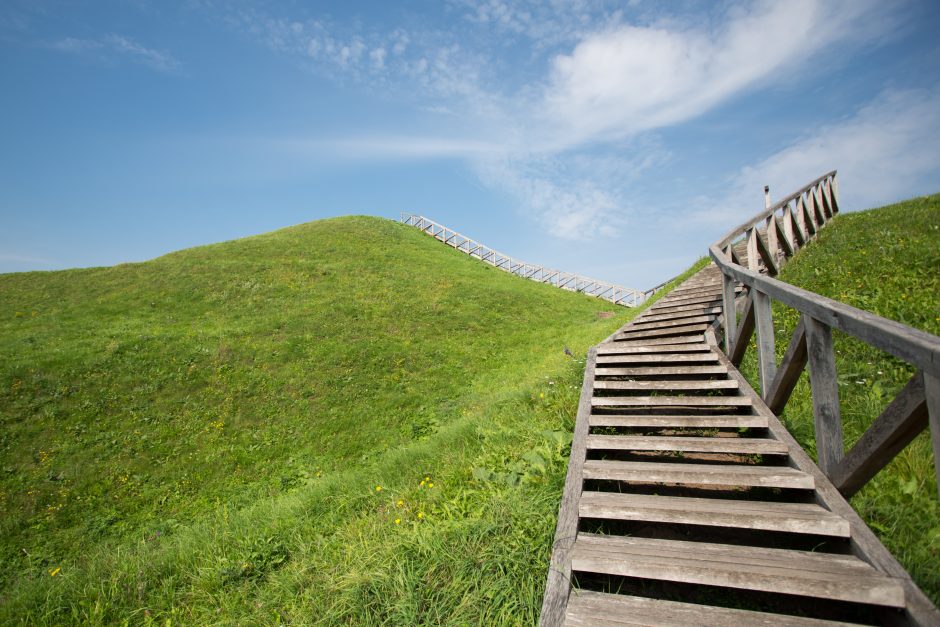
pixel 616 294
pixel 764 242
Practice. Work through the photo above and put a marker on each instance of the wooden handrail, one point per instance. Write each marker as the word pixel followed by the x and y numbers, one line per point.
pixel 801 216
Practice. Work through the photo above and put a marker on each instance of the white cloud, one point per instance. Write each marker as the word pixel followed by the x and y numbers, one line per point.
pixel 634 78
pixel 885 152
pixel 120 46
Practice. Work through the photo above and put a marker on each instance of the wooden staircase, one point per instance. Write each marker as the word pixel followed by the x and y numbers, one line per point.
pixel 686 499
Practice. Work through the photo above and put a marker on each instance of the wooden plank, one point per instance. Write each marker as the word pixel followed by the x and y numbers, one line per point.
pixel 766 351
pixel 625 348
pixel 660 371
pixel 766 255
pixel 710 312
pixel 698 474
pixel 685 329
pixel 681 308
pixel 901 421
pixel 677 302
pixel 641 324
pixel 691 422
pixel 729 308
pixel 752 254
pixel 691 340
pixel 770 516
pixel 647 385
pixel 932 395
pixel 587 608
pixel 670 401
pixel 794 360
pixel 783 571
pixel 558 583
pixel 825 386
pixel 737 446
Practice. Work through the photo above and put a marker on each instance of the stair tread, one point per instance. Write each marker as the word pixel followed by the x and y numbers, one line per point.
pixel 765 515
pixel 741 446
pixel 674 384
pixel 602 609
pixel 698 474
pixel 714 421
pixel 820 575
pixel 671 401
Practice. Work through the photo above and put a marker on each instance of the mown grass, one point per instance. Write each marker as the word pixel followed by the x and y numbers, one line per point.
pixel 886 261
pixel 248 433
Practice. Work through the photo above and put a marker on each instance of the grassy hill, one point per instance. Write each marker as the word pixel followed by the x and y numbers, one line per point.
pixel 342 420
pixel 886 261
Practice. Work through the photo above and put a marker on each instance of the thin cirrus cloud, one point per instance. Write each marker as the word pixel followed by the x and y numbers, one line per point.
pixel 884 152
pixel 114 47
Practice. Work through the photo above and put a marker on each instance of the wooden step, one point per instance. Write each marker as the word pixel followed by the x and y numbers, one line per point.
pixel 679 422
pixel 807 518
pixel 660 371
pixel 667 308
pixel 677 340
pixel 587 608
pixel 662 332
pixel 720 384
pixel 784 571
pixel 739 475
pixel 642 325
pixel 736 446
pixel 713 311
pixel 688 300
pixel 671 401
pixel 657 358
pixel 622 348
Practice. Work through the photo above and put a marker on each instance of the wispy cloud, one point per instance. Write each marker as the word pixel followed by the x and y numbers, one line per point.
pixel 884 152
pixel 119 46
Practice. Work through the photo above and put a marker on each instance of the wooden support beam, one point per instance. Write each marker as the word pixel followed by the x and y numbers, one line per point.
pixel 729 311
pixel 745 331
pixel 766 351
pixel 752 253
pixel 784 243
pixel 932 394
pixel 765 253
pixel 894 429
pixel 825 386
pixel 794 360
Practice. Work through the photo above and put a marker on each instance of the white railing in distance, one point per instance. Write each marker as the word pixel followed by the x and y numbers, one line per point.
pixel 617 294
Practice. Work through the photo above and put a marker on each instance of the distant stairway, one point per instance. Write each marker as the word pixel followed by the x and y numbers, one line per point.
pixel 687 500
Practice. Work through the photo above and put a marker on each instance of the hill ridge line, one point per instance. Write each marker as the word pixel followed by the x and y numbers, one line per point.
pixel 617 294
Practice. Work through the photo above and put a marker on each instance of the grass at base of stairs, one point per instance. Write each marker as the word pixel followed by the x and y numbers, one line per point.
pixel 886 261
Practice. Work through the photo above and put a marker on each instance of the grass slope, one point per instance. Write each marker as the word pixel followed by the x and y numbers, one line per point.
pixel 342 421
pixel 886 261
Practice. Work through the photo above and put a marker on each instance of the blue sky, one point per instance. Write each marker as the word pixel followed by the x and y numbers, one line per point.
pixel 612 139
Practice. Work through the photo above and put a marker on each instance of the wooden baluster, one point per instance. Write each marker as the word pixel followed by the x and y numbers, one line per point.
pixel 932 394
pixel 789 228
pixel 766 351
pixel 825 387
pixel 835 195
pixel 730 313
pixel 801 220
pixel 772 244
pixel 810 209
pixel 752 254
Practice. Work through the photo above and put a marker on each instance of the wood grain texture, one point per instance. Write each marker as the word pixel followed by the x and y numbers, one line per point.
pixel 824 382
pixel 698 474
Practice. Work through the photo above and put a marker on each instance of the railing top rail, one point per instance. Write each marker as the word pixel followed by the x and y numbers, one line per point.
pixel 637 294
pixel 739 230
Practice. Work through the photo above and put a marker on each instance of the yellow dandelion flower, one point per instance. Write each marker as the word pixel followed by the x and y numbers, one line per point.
pixel 398 521
pixel 542 395
pixel 422 483
pixel 430 485
pixel 399 503
pixel 420 515
pixel 427 478
pixel 53 573
pixel 378 488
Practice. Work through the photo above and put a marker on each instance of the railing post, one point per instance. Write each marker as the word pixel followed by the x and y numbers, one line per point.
pixel 766 351
pixel 752 253
pixel 932 395
pixel 825 389
pixel 730 313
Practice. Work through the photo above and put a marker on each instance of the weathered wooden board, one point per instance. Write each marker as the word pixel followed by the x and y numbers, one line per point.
pixel 660 371
pixel 807 518
pixel 705 422
pixel 738 446
pixel 698 474
pixel 673 385
pixel 670 401
pixel 820 575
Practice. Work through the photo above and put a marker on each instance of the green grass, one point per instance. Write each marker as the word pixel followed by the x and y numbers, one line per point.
pixel 201 438
pixel 886 261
